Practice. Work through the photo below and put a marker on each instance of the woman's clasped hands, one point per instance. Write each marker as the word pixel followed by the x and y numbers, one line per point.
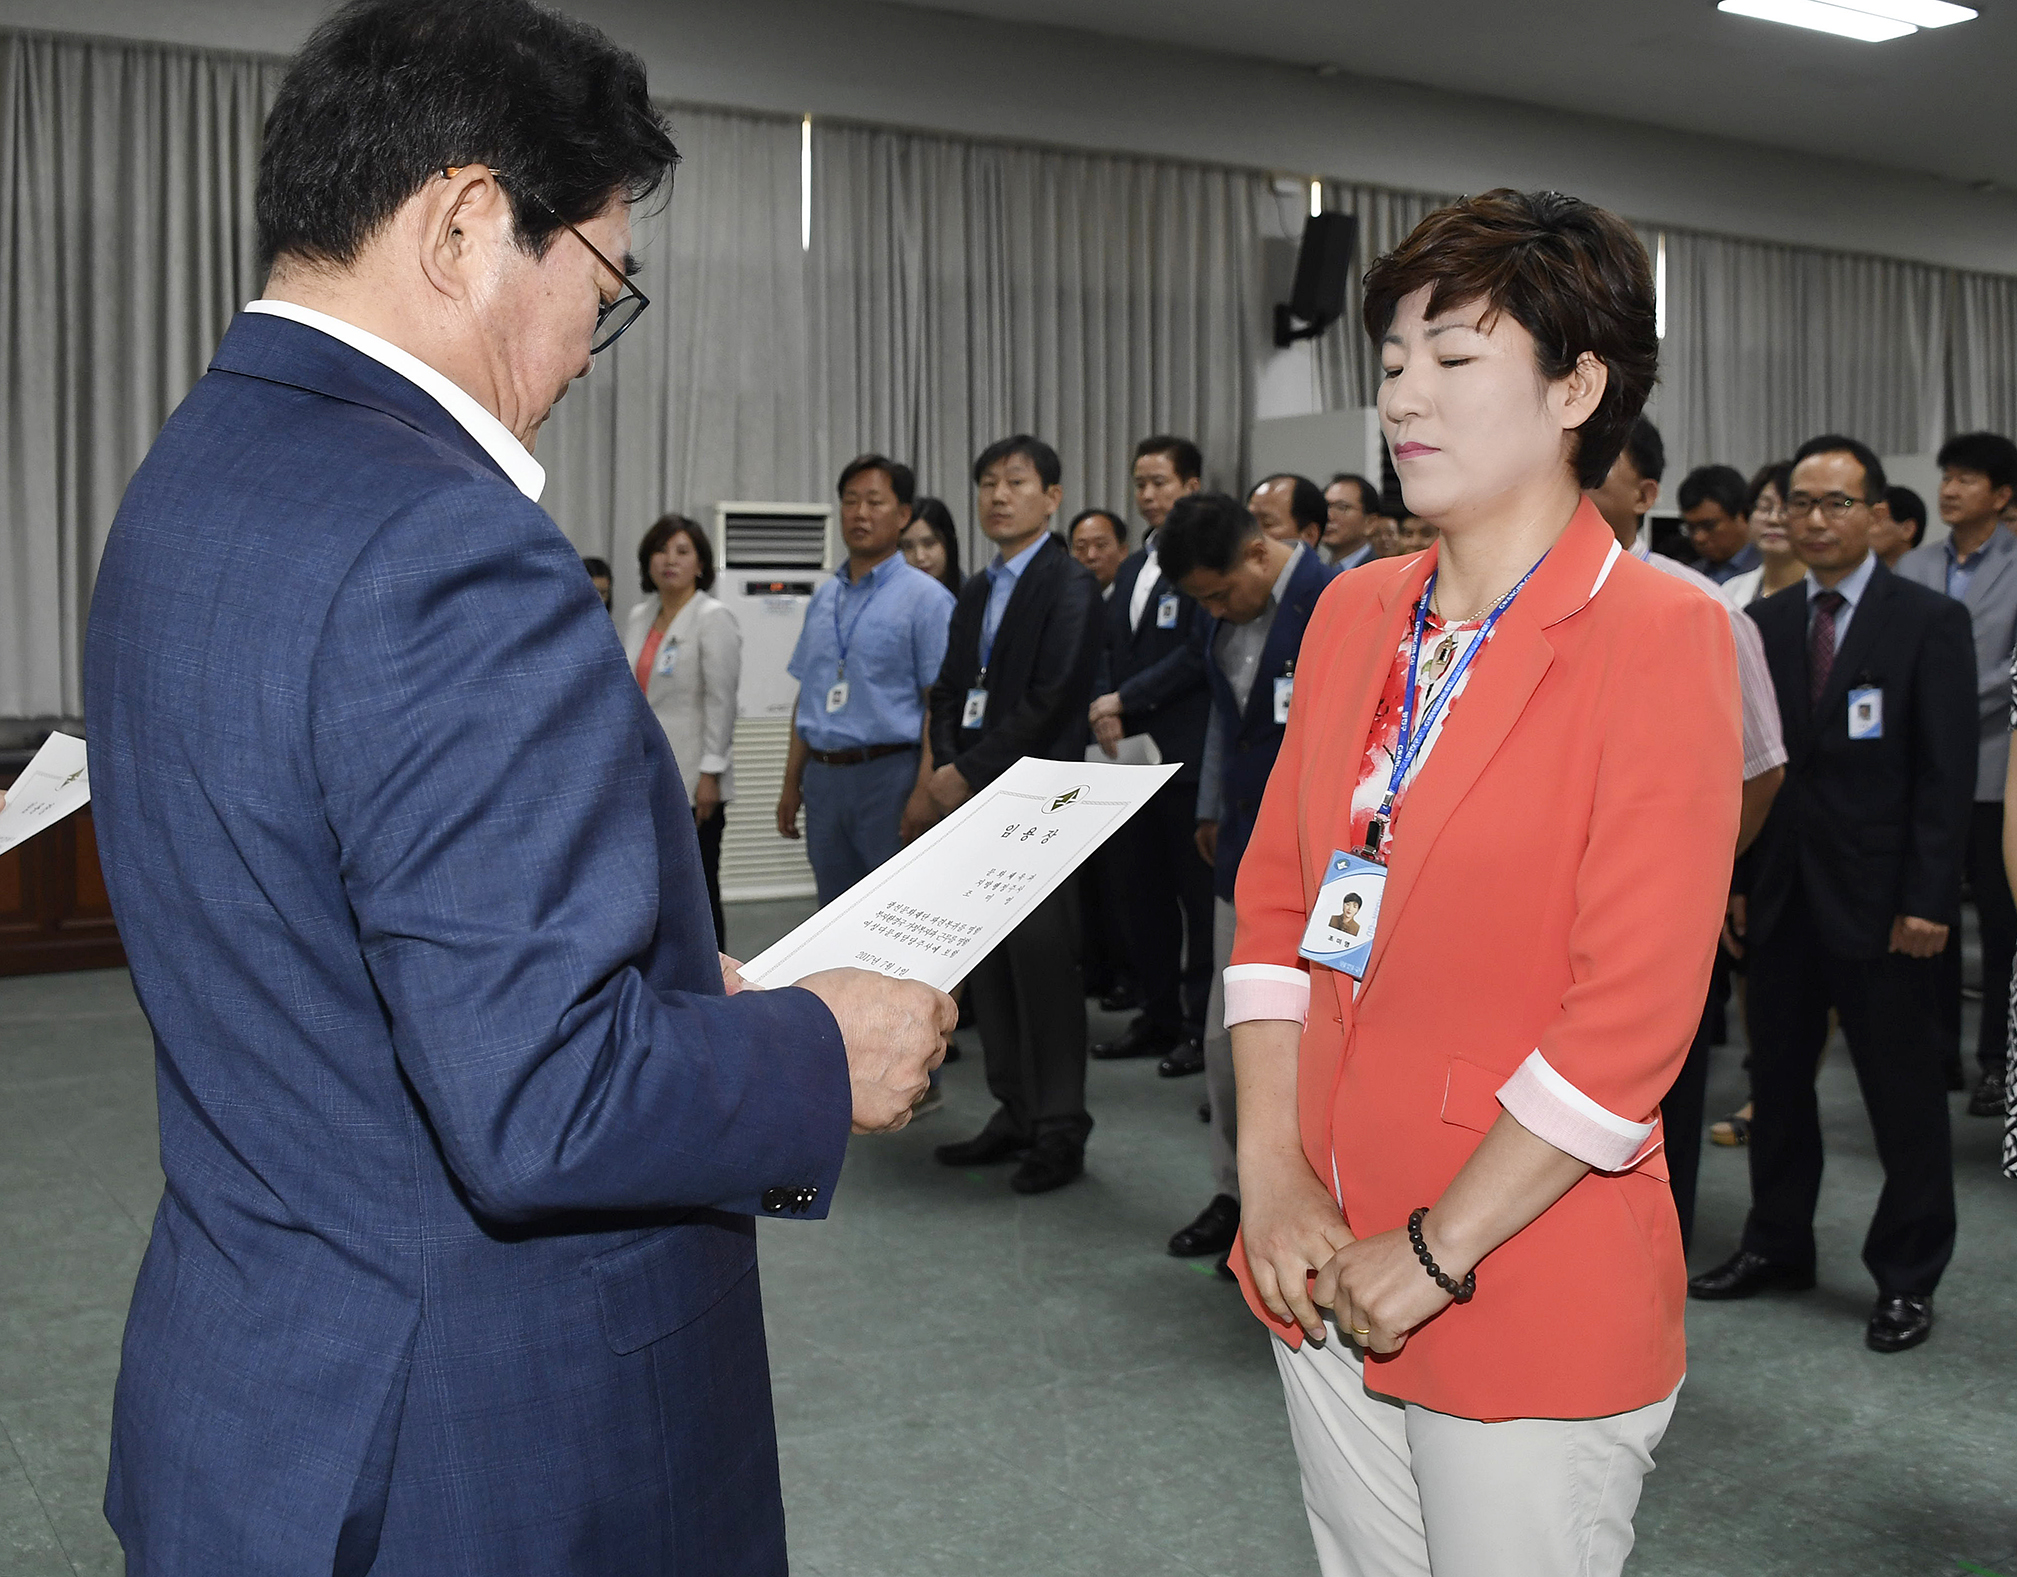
pixel 1304 1260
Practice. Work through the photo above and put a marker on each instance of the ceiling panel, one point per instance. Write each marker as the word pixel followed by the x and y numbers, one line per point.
pixel 1942 101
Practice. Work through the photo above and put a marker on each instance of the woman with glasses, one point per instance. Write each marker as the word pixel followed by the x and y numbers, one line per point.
pixel 1456 1220
pixel 1781 566
pixel 686 650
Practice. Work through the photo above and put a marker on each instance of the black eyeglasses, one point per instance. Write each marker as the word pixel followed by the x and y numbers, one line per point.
pixel 611 317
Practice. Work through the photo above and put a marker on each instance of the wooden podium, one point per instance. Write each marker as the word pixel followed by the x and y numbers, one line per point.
pixel 54 913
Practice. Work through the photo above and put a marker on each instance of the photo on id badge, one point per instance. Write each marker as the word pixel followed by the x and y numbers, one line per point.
pixel 1340 933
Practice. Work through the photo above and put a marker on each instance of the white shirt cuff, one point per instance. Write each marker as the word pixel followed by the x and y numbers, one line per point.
pixel 1255 991
pixel 716 764
pixel 1551 1108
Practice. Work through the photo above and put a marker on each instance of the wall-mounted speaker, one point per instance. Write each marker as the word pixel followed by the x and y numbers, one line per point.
pixel 1323 269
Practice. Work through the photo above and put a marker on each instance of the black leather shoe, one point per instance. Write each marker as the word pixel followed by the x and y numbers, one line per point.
pixel 1987 1101
pixel 1226 1268
pixel 1898 1323
pixel 1213 1231
pixel 983 1149
pixel 1187 1057
pixel 1142 1039
pixel 1745 1275
pixel 1122 999
pixel 1053 1162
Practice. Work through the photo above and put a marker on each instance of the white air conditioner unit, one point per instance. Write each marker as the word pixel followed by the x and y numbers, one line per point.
pixel 772 559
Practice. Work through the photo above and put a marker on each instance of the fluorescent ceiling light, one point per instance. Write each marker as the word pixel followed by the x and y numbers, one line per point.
pixel 1920 13
pixel 1821 17
pixel 1871 21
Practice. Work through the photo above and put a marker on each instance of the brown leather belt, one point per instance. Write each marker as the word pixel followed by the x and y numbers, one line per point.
pixel 854 758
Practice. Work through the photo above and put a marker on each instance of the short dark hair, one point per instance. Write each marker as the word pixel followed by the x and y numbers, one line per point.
pixel 1774 474
pixel 1188 463
pixel 1646 449
pixel 1306 500
pixel 1875 485
pixel 1120 526
pixel 902 480
pixel 1351 898
pixel 1369 495
pixel 387 93
pixel 1721 485
pixel 663 530
pixel 1908 509
pixel 1204 531
pixel 598 569
pixel 1990 453
pixel 933 512
pixel 1035 450
pixel 1573 275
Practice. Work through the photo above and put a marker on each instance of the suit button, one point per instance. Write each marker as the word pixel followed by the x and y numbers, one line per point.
pixel 806 1196
pixel 776 1199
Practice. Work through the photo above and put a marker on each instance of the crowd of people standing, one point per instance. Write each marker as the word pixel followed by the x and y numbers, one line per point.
pixel 1189 636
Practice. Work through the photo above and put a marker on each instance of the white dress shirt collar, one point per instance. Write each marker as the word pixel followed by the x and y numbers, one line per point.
pixel 512 457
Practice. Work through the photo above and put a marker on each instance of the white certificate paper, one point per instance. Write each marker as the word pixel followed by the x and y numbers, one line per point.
pixel 940 906
pixel 51 786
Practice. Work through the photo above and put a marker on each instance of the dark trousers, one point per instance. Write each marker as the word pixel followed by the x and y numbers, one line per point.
pixel 1031 1011
pixel 1165 889
pixel 1100 952
pixel 709 833
pixel 1989 886
pixel 1681 1120
pixel 1794 980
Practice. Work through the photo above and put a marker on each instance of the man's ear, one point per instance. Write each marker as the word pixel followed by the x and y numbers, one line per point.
pixel 460 216
pixel 1582 390
pixel 1649 494
pixel 1194 484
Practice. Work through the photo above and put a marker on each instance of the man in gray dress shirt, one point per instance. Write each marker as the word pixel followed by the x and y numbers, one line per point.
pixel 1977 566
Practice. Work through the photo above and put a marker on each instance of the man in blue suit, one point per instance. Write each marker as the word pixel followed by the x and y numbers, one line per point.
pixel 1257 593
pixel 463 1133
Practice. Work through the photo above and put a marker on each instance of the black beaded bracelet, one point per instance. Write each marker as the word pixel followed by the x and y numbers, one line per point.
pixel 1460 1291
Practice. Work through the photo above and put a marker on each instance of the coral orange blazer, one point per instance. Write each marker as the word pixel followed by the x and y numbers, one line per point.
pixel 1558 874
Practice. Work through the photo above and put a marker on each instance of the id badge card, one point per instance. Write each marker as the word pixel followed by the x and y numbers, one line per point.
pixel 836 696
pixel 1166 612
pixel 1866 713
pixel 668 654
pixel 1285 687
pixel 1340 933
pixel 975 709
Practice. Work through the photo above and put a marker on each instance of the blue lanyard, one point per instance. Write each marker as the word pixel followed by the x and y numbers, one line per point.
pixel 843 641
pixel 1413 739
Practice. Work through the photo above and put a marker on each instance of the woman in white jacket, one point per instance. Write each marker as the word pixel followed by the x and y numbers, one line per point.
pixel 686 651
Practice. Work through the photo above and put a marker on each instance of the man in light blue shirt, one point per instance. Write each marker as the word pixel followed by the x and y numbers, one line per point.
pixel 873 639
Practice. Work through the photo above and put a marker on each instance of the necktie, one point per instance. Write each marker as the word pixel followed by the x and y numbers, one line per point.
pixel 1821 643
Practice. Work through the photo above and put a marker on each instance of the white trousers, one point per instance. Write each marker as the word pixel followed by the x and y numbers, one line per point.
pixel 1395 1490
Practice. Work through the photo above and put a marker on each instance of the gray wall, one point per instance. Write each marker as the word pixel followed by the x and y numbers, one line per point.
pixel 905 66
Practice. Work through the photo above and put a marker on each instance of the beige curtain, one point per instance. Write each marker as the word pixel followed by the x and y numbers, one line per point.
pixel 961 291
pixel 126 243
pixel 955 291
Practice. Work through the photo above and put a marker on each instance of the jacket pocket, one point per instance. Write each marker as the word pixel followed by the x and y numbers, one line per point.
pixel 1471 1095
pixel 663 1283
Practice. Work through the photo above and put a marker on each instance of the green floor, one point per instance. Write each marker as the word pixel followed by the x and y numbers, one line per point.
pixel 969 1382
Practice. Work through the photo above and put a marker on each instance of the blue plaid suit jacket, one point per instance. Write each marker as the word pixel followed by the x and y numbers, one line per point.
pixel 455 1270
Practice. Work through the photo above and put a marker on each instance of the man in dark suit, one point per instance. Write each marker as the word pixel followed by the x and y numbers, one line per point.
pixel 1257 593
pixel 1153 681
pixel 1854 880
pixel 1018 673
pixel 463 1135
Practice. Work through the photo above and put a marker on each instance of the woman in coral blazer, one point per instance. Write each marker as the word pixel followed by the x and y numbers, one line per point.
pixel 1477 1112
